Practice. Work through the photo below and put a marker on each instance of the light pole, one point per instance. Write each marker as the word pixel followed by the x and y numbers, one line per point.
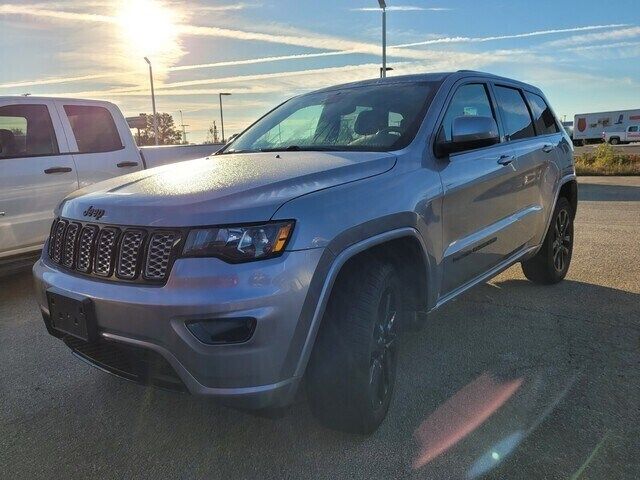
pixel 153 102
pixel 383 6
pixel 221 116
pixel 184 131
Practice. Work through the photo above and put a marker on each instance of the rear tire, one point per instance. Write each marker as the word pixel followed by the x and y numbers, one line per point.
pixel 614 141
pixel 551 263
pixel 352 369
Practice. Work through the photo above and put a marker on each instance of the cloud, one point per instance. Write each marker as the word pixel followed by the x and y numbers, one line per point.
pixel 604 46
pixel 508 37
pixel 402 8
pixel 28 10
pixel 225 8
pixel 51 81
pixel 624 33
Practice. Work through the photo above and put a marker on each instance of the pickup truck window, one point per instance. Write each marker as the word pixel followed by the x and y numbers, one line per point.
pixel 633 129
pixel 94 129
pixel 26 131
pixel 369 118
pixel 469 100
pixel 515 114
pixel 542 115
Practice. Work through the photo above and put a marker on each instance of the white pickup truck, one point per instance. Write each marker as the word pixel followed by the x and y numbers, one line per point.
pixel 631 134
pixel 50 147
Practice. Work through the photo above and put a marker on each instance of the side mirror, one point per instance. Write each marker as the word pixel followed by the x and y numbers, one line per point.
pixel 468 133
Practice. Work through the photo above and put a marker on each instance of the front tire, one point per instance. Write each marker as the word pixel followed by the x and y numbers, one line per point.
pixel 551 263
pixel 351 374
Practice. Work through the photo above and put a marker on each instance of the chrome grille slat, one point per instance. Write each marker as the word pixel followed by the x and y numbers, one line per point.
pixel 158 255
pixel 105 248
pixel 112 252
pixel 85 248
pixel 129 255
pixel 51 237
pixel 58 238
pixel 70 241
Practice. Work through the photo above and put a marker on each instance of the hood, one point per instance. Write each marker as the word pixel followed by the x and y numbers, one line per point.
pixel 221 189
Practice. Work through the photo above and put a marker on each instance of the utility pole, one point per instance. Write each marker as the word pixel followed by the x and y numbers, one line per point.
pixel 184 132
pixel 153 102
pixel 221 116
pixel 383 6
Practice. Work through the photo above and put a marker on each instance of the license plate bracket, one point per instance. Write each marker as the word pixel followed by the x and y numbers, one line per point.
pixel 72 314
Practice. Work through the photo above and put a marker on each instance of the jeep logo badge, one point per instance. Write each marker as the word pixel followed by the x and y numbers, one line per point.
pixel 97 213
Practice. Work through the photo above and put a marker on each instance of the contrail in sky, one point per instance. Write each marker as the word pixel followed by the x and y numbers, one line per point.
pixel 337 46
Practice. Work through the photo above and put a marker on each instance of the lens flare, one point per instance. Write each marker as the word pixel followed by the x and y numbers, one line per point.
pixel 150 28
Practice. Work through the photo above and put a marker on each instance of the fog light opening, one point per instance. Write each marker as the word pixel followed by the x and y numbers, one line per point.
pixel 222 330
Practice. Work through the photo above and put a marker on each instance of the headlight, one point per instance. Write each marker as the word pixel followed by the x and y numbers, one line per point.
pixel 239 244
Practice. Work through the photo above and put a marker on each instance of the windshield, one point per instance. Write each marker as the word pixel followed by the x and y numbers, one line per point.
pixel 371 118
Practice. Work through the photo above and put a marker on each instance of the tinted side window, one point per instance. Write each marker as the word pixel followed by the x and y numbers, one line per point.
pixel 633 129
pixel 542 115
pixel 26 130
pixel 514 113
pixel 468 100
pixel 94 129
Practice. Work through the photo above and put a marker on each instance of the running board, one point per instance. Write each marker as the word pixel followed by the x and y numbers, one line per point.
pixel 487 276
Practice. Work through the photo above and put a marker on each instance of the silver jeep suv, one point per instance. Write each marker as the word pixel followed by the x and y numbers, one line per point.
pixel 303 247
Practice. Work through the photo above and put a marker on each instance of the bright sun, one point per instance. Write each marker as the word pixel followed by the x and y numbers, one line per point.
pixel 148 27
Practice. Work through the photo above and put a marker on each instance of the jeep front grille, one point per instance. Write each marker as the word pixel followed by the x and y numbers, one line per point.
pixel 114 252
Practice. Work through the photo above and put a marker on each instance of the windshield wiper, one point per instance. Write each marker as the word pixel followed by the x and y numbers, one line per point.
pixel 297 148
pixel 228 152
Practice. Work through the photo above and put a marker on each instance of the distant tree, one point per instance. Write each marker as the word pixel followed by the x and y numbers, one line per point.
pixel 212 134
pixel 168 133
pixel 17 131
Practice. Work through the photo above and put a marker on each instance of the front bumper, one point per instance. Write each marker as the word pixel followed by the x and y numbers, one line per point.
pixel 253 374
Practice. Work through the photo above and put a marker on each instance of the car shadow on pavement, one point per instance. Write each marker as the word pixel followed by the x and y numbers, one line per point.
pixel 608 193
pixel 511 380
pixel 539 376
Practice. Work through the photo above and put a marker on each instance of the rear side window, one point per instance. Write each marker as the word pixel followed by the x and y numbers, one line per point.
pixel 542 115
pixel 469 100
pixel 515 114
pixel 94 129
pixel 26 131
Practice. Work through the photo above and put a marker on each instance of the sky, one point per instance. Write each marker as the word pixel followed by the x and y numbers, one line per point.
pixel 584 54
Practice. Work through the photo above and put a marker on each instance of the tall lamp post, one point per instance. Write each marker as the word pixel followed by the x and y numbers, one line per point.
pixel 221 116
pixel 153 102
pixel 383 6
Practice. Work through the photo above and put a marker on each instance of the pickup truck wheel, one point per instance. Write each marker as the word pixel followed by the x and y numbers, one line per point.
pixel 551 263
pixel 352 371
pixel 614 140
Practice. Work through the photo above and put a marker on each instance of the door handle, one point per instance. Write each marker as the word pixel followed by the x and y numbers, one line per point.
pixel 547 148
pixel 506 159
pixel 127 164
pixel 57 170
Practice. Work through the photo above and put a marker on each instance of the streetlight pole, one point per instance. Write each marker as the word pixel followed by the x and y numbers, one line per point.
pixel 184 131
pixel 153 102
pixel 221 116
pixel 383 6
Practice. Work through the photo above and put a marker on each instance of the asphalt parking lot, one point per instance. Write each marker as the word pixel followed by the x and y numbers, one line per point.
pixel 513 379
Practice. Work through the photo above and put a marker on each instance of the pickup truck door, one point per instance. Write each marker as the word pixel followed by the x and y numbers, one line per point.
pixel 633 134
pixel 100 138
pixel 480 198
pixel 36 172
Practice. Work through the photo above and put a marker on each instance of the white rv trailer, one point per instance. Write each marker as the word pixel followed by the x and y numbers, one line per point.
pixel 590 126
